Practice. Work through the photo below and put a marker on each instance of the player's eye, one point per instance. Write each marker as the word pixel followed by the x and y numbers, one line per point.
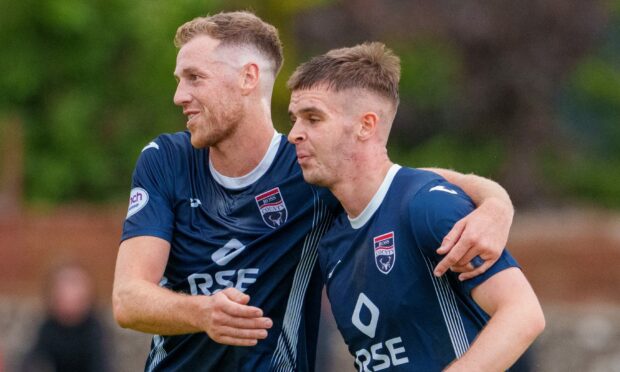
pixel 293 119
pixel 313 119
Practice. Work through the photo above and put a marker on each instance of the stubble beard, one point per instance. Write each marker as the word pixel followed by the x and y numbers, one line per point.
pixel 218 129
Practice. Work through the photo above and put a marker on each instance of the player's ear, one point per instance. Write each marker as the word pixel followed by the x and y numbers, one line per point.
pixel 249 78
pixel 368 125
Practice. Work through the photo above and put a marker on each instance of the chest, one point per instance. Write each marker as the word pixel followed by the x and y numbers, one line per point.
pixel 226 237
pixel 383 266
pixel 202 204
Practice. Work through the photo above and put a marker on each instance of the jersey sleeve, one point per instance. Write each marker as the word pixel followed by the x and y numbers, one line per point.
pixel 150 211
pixel 433 212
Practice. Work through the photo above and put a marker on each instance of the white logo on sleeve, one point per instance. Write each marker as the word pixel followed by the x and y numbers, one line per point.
pixel 229 251
pixel 444 189
pixel 151 145
pixel 138 198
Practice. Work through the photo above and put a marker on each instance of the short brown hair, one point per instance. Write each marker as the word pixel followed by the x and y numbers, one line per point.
pixel 370 66
pixel 235 28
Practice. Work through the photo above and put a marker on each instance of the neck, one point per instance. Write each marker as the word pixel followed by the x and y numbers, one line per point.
pixel 360 183
pixel 239 154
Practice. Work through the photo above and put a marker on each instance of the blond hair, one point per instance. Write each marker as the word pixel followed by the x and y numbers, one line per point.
pixel 240 28
pixel 370 66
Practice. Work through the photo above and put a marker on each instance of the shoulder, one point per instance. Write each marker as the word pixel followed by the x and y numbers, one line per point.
pixel 412 187
pixel 414 180
pixel 164 159
pixel 170 142
pixel 167 149
pixel 435 207
pixel 437 196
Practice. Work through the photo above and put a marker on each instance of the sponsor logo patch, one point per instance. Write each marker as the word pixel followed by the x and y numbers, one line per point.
pixel 385 252
pixel 272 207
pixel 229 251
pixel 138 198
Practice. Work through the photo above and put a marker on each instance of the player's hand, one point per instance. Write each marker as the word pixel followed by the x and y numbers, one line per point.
pixel 480 236
pixel 227 319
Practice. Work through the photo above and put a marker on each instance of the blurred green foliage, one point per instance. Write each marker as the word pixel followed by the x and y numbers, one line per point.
pixel 446 151
pixel 590 114
pixel 429 74
pixel 92 83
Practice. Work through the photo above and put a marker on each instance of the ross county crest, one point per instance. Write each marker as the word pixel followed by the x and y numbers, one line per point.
pixel 272 207
pixel 385 252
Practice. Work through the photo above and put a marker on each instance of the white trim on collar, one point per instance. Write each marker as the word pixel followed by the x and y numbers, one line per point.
pixel 376 200
pixel 235 183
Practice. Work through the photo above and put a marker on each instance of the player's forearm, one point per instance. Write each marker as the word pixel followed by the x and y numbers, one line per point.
pixel 146 307
pixel 505 338
pixel 479 189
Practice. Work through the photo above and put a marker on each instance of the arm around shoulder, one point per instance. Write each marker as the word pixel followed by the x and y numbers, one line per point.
pixel 479 189
pixel 482 233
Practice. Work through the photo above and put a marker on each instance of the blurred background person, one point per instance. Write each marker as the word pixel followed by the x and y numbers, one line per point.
pixel 71 337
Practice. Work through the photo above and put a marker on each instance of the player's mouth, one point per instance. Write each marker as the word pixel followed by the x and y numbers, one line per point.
pixel 303 157
pixel 191 116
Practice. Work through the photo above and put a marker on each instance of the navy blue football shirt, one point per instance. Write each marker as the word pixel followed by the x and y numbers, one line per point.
pixel 378 267
pixel 258 233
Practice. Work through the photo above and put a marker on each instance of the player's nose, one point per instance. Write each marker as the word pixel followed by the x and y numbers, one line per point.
pixel 181 95
pixel 296 135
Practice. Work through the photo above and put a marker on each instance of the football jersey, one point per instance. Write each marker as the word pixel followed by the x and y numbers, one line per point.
pixel 258 233
pixel 393 313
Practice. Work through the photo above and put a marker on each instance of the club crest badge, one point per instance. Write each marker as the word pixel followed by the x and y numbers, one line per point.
pixel 385 252
pixel 272 207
